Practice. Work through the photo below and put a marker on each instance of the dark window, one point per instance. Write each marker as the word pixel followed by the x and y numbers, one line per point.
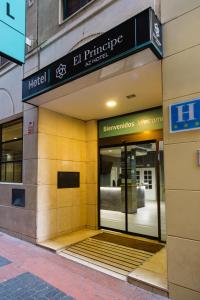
pixel 18 197
pixel 11 150
pixel 71 6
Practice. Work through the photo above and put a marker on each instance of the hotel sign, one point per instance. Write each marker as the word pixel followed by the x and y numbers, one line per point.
pixel 131 124
pixel 138 33
pixel 184 116
pixel 12 29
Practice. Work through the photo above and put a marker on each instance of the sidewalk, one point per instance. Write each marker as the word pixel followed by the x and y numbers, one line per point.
pixel 29 272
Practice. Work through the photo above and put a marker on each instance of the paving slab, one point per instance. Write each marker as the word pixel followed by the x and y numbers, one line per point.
pixel 64 276
pixel 27 286
pixel 4 261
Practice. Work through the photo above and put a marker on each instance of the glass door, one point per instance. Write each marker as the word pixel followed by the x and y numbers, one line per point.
pixel 142 189
pixel 112 188
pixel 132 189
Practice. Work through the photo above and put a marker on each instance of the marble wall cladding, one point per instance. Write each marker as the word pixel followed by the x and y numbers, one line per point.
pixel 181 293
pixel 65 144
pixel 172 9
pixel 180 20
pixel 92 174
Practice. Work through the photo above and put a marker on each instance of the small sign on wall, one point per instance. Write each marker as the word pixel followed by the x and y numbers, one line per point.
pixel 68 180
pixel 184 116
pixel 30 129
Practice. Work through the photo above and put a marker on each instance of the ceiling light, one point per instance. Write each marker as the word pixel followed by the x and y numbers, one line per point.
pixel 111 103
pixel 131 96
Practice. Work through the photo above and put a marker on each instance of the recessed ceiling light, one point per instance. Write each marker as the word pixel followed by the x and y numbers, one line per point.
pixel 131 96
pixel 111 103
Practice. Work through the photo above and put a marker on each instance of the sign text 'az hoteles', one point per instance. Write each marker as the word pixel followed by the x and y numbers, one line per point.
pixel 12 30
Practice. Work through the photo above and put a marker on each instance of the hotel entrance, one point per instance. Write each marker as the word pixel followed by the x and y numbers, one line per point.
pixel 131 180
pixel 117 73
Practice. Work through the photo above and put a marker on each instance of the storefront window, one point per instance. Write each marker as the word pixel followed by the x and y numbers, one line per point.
pixel 11 150
pixel 71 6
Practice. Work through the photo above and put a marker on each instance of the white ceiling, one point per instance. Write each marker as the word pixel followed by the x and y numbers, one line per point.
pixel 89 103
pixel 85 98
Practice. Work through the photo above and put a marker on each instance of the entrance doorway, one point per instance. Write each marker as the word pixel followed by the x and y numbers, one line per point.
pixel 131 189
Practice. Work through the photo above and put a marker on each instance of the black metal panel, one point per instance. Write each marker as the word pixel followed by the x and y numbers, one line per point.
pixel 142 28
pixel 18 197
pixel 68 180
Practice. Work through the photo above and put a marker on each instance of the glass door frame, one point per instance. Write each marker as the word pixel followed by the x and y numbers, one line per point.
pixel 158 198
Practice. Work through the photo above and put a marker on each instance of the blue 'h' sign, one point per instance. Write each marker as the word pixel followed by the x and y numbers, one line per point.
pixel 12 29
pixel 185 116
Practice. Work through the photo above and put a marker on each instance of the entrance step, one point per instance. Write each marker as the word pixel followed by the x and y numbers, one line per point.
pixel 141 268
pixel 67 240
pixel 115 258
pixel 152 275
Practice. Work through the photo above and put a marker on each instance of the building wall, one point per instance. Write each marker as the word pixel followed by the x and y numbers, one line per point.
pixel 93 13
pixel 59 38
pixel 21 222
pixel 51 40
pixel 10 92
pixel 65 144
pixel 181 79
pixel 92 173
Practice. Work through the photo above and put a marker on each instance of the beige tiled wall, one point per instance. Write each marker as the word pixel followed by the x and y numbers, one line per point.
pixel 65 144
pixel 91 173
pixel 181 79
pixel 181 293
pixel 181 73
pixel 171 9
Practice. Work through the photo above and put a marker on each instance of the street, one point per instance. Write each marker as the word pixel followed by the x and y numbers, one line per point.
pixel 29 272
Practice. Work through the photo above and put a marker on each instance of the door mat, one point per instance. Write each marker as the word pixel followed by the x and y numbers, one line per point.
pixel 115 258
pixel 129 242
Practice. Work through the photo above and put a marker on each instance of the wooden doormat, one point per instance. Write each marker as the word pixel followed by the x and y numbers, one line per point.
pixel 129 242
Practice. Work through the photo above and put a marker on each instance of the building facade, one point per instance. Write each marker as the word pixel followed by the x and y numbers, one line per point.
pixel 77 149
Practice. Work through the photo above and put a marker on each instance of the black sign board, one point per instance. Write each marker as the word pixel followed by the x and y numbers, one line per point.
pixel 138 33
pixel 68 180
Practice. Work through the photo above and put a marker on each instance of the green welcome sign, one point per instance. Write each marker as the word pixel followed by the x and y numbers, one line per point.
pixel 130 124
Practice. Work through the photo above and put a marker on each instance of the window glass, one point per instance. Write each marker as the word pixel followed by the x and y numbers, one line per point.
pixel 71 6
pixel 12 132
pixel 17 172
pixel 11 151
pixel 3 172
pixel 9 172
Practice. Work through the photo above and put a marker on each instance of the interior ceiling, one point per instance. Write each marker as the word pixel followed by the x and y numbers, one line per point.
pixel 89 103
